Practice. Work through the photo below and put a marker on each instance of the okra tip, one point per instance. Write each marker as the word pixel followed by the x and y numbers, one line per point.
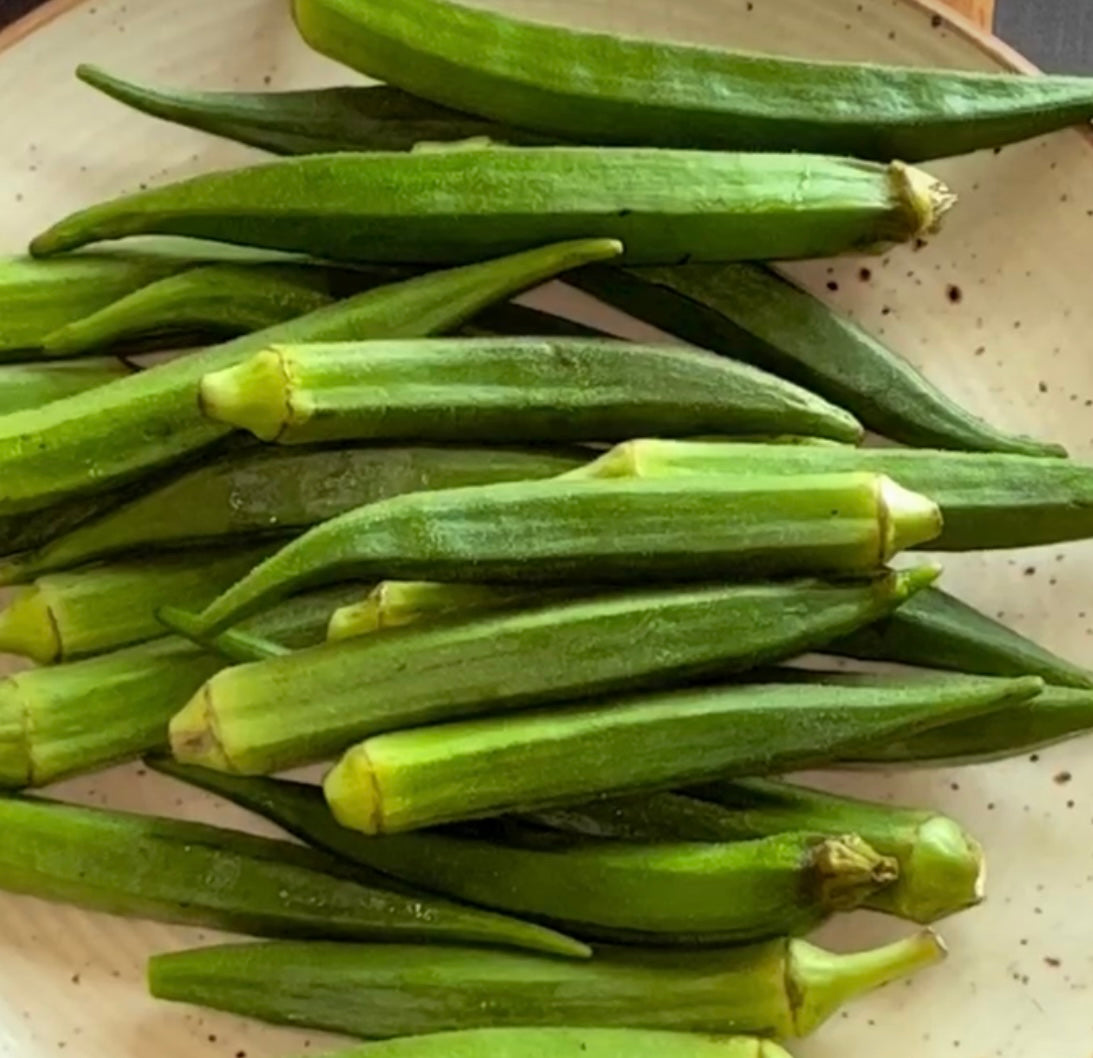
pixel 907 518
pixel 819 982
pixel 945 873
pixel 16 764
pixel 927 198
pixel 254 395
pixel 28 627
pixel 193 736
pixel 907 582
pixel 353 792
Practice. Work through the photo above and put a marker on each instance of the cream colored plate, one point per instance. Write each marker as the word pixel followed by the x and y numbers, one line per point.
pixel 999 310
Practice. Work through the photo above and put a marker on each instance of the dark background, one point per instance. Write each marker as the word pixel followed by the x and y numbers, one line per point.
pixel 1056 34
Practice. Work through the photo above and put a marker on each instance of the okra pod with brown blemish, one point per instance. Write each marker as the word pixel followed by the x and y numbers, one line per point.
pixel 779 988
pixel 555 532
pixel 256 718
pixel 475 768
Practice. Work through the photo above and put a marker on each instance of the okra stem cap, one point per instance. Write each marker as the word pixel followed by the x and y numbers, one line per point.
pixel 907 518
pixel 254 395
pixel 29 628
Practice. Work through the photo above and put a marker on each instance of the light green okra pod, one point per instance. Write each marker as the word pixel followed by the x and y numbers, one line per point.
pixel 92 441
pixel 780 988
pixel 620 89
pixel 987 500
pixel 553 532
pixel 31 385
pixel 179 871
pixel 455 206
pixel 63 616
pixel 257 719
pixel 508 390
pixel 476 768
pixel 751 313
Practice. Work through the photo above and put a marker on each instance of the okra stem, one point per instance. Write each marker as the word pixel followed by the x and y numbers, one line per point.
pixel 234 646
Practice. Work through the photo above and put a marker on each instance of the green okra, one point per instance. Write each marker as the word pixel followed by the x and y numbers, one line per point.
pixel 95 440
pixel 568 1043
pixel 63 616
pixel 508 390
pixel 616 89
pixel 454 206
pixel 179 871
pixel 553 531
pixel 486 766
pixel 33 384
pixel 1057 715
pixel 987 500
pixel 258 718
pixel 250 496
pixel 314 121
pixel 235 646
pixel 779 988
pixel 220 300
pixel 941 868
pixel 936 630
pixel 752 313
pixel 655 894
pixel 89 714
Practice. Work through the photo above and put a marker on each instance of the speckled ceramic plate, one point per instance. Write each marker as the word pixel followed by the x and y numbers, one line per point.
pixel 998 310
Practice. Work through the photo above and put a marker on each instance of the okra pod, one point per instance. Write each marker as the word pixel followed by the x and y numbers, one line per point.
pixel 553 532
pixel 779 988
pixel 250 496
pixel 615 89
pixel 103 710
pixel 508 390
pixel 485 766
pixel 92 441
pixel 62 616
pixel 218 300
pixel 1059 714
pixel 987 500
pixel 315 121
pixel 568 1043
pixel 179 871
pixel 31 385
pixel 936 630
pixel 655 894
pixel 257 718
pixel 752 313
pixel 941 869
pixel 432 207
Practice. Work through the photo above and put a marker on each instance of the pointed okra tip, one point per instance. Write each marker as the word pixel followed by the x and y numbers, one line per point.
pixel 254 395
pixel 820 982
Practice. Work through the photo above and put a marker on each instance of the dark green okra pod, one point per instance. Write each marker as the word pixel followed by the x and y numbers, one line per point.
pixel 455 206
pixel 780 988
pixel 179 871
pixel 93 441
pixel 619 89
pixel 471 769
pixel 751 313
pixel 655 894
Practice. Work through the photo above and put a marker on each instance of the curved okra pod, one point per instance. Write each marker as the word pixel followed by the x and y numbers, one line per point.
pixel 89 442
pixel 471 769
pixel 552 532
pixel 941 869
pixel 178 871
pixel 936 630
pixel 62 616
pixel 31 385
pixel 664 894
pixel 220 300
pixel 987 500
pixel 780 988
pixel 250 496
pixel 508 390
pixel 567 1043
pixel 752 313
pixel 616 89
pixel 315 121
pixel 89 714
pixel 255 718
pixel 429 208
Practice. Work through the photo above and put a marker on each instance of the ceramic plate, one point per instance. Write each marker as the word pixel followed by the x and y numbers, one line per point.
pixel 997 310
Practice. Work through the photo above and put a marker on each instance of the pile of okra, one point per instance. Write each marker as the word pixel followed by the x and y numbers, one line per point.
pixel 535 595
